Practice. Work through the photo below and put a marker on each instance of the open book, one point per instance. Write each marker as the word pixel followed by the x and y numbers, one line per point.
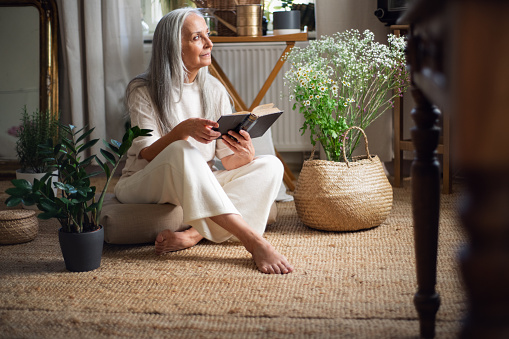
pixel 256 123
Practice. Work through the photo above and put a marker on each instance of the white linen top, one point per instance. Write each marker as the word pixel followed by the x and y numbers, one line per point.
pixel 142 113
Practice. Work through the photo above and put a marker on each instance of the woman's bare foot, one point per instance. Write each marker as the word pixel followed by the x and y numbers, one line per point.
pixel 169 241
pixel 268 260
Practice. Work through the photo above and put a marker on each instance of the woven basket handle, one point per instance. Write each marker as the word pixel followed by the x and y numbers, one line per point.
pixel 313 151
pixel 365 143
pixel 344 140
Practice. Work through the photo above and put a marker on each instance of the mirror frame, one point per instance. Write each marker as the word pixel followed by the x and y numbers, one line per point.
pixel 48 50
pixel 48 57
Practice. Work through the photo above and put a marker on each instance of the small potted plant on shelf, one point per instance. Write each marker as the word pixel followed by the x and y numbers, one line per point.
pixel 286 21
pixel 76 207
pixel 36 129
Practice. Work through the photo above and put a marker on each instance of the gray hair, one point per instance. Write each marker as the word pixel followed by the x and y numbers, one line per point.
pixel 167 71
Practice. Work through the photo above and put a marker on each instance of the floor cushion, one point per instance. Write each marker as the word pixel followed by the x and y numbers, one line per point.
pixel 141 223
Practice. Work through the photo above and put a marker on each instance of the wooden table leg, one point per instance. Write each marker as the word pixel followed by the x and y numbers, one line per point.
pixel 272 75
pixel 446 170
pixel 218 73
pixel 397 119
pixel 288 176
pixel 398 131
pixel 425 210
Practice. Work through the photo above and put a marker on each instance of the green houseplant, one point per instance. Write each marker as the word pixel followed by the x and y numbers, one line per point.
pixel 36 129
pixel 287 5
pixel 345 80
pixel 76 207
pixel 286 21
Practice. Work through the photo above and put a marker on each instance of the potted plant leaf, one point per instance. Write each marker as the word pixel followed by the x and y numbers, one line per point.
pixel 36 129
pixel 77 207
pixel 286 21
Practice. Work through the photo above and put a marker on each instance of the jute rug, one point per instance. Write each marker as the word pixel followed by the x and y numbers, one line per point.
pixel 345 285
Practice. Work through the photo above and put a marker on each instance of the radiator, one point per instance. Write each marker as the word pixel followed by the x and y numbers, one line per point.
pixel 247 66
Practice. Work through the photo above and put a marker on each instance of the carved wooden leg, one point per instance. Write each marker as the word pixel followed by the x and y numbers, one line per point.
pixel 425 173
pixel 485 262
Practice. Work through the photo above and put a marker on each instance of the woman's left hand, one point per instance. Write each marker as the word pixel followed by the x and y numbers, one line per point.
pixel 242 147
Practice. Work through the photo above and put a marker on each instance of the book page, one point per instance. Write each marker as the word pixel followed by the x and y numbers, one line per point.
pixel 261 110
pixel 263 107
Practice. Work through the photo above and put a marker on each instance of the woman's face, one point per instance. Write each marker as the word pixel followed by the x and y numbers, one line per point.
pixel 196 45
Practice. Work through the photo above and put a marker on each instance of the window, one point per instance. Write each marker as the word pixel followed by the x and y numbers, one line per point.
pixel 153 10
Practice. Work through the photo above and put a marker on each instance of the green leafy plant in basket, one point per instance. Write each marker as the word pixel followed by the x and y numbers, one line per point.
pixel 345 80
pixel 286 5
pixel 75 207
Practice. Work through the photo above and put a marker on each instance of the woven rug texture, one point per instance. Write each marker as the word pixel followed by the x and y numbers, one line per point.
pixel 345 285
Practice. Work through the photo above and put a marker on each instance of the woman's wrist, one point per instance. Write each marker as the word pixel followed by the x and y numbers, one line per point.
pixel 179 132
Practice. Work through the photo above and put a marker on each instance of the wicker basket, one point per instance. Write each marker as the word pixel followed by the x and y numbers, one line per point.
pixel 343 196
pixel 18 226
pixel 228 16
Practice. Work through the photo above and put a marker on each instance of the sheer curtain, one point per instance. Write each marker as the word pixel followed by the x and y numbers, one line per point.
pixel 101 50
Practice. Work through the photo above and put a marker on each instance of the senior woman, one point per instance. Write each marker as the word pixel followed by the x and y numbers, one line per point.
pixel 180 101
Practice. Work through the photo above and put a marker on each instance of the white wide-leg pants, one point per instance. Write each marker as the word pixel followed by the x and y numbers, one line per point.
pixel 179 175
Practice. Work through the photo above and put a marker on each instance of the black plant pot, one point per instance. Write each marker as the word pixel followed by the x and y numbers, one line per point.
pixel 82 251
pixel 286 22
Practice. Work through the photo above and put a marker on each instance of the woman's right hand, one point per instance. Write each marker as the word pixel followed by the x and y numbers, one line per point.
pixel 199 129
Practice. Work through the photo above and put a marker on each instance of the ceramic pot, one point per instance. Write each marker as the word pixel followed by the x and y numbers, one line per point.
pixel 82 252
pixel 286 22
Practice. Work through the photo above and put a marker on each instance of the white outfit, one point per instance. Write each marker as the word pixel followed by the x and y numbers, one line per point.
pixel 183 173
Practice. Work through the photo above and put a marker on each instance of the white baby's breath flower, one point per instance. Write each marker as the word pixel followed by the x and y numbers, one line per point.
pixel 339 70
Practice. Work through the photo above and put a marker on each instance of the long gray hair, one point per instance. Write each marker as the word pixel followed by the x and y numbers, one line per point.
pixel 167 71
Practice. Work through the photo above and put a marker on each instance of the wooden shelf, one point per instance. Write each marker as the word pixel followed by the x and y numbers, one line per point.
pixel 263 38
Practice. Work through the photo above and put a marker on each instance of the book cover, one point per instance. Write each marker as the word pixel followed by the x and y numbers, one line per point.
pixel 256 123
